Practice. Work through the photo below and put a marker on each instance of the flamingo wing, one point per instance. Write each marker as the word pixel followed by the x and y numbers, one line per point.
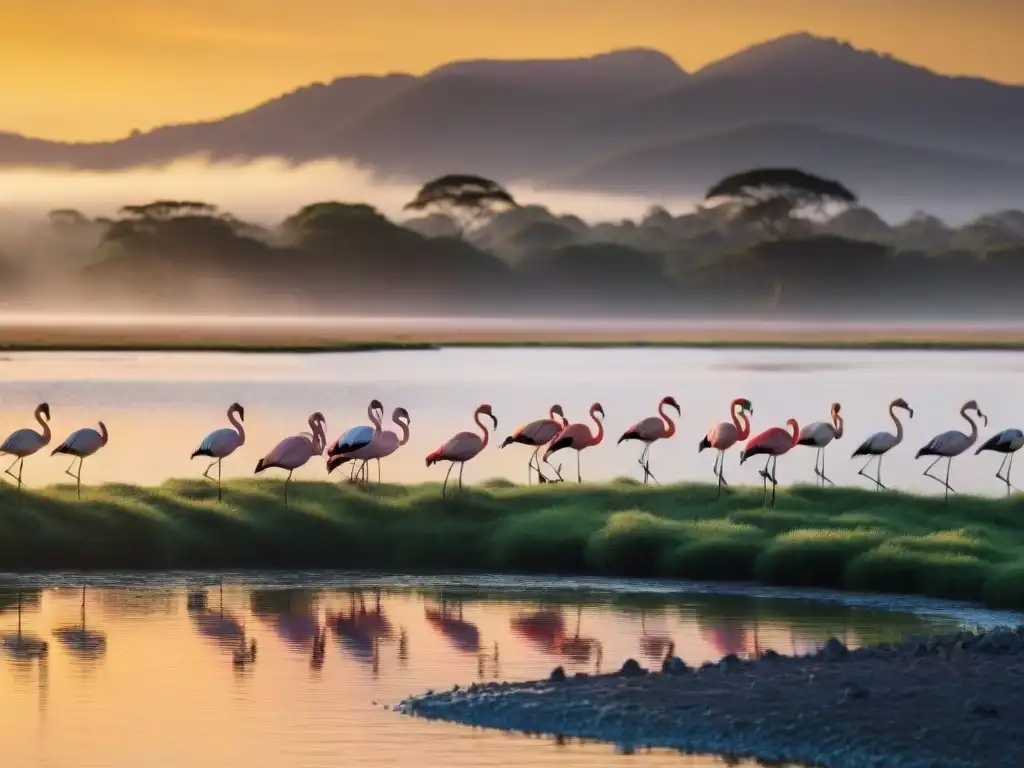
pixel 875 444
pixel 1007 441
pixel 645 429
pixel 218 444
pixel 461 447
pixel 352 440
pixel 538 432
pixel 81 442
pixel 570 437
pixel 818 434
pixel 22 442
pixel 723 435
pixel 948 443
pixel 290 453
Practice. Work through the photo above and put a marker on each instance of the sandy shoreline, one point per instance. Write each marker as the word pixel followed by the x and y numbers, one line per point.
pixel 952 701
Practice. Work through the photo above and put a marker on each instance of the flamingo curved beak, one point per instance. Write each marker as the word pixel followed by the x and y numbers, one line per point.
pixel 494 419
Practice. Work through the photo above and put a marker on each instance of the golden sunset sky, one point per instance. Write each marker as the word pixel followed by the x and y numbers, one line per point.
pixel 93 69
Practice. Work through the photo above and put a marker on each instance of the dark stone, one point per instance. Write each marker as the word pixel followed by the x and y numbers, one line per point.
pixel 673 666
pixel 729 662
pixel 834 650
pixel 632 668
pixel 769 655
pixel 557 675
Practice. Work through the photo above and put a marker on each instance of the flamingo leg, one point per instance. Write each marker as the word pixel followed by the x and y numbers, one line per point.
pixel 877 479
pixel 444 487
pixel 944 483
pixel 206 472
pixel 719 471
pixel 78 476
pixel 532 465
pixel 462 466
pixel 219 492
pixel 821 473
pixel 287 480
pixel 558 471
pixel 579 477
pixel 20 461
pixel 775 483
pixel 642 461
pixel 765 475
pixel 647 464
pixel 1008 463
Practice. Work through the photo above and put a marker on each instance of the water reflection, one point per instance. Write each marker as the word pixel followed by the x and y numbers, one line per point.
pixel 313 701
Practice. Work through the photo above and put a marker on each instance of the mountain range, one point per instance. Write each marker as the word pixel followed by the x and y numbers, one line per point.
pixel 630 120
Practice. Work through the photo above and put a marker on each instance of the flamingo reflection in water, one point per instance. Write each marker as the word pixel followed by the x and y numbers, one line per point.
pixel 728 636
pixel 81 641
pixel 291 613
pixel 362 630
pixel 655 646
pixel 447 619
pixel 542 628
pixel 222 627
pixel 21 645
pixel 578 649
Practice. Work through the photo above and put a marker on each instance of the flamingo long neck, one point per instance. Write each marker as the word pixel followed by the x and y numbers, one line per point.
pixel 405 430
pixel 476 418
pixel 899 424
pixel 374 419
pixel 743 427
pixel 671 429
pixel 103 433
pixel 45 425
pixel 837 424
pixel 596 437
pixel 319 439
pixel 974 427
pixel 792 424
pixel 234 422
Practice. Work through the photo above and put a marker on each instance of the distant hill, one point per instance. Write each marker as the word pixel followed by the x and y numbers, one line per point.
pixel 621 120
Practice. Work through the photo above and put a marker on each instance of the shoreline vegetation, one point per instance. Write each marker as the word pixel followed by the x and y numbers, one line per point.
pixel 971 549
pixel 20 338
pixel 947 700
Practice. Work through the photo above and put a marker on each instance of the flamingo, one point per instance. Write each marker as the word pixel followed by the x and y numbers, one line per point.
pixel 773 442
pixel 820 434
pixel 880 443
pixel 81 444
pixel 25 442
pixel 578 436
pixel 951 444
pixel 650 429
pixel 221 443
pixel 725 434
pixel 1007 442
pixel 381 445
pixel 293 452
pixel 537 434
pixel 358 437
pixel 463 446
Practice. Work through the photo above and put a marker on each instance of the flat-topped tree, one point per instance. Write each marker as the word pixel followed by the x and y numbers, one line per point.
pixel 466 199
pixel 775 197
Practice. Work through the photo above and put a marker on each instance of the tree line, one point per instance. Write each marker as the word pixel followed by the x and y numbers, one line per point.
pixel 765 239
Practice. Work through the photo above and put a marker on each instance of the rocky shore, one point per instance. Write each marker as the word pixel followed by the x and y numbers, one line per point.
pixel 951 701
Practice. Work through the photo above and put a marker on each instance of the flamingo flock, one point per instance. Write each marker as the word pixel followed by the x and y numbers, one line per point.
pixel 363 444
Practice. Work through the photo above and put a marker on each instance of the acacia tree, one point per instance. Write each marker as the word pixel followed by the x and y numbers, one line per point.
pixel 467 200
pixel 774 198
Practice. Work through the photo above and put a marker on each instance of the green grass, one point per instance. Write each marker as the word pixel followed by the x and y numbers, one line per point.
pixel 971 548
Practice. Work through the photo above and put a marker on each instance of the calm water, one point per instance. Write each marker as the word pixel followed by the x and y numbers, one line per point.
pixel 162 690
pixel 159 405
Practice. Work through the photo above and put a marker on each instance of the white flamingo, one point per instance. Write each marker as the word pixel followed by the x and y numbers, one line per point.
pixel 1007 442
pixel 880 443
pixel 951 444
pixel 82 443
pixel 25 442
pixel 818 435
pixel 221 443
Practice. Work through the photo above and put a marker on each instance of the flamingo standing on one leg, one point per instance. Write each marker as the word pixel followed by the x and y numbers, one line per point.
pixel 293 452
pixel 463 447
pixel 773 442
pixel 25 442
pixel 81 444
pixel 820 434
pixel 951 444
pixel 537 434
pixel 221 443
pixel 359 437
pixel 880 443
pixel 381 445
pixel 725 434
pixel 650 429
pixel 578 436
pixel 1007 442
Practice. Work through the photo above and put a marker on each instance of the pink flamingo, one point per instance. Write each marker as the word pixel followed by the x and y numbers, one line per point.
pixel 222 442
pixel 463 446
pixel 725 434
pixel 819 435
pixel 773 442
pixel 25 442
pixel 381 445
pixel 357 437
pixel 578 436
pixel 81 444
pixel 293 452
pixel 537 434
pixel 650 429
pixel 950 444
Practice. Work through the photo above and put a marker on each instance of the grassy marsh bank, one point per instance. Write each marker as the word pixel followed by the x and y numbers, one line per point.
pixel 844 538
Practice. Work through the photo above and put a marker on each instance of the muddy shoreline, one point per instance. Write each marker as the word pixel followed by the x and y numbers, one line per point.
pixel 949 701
